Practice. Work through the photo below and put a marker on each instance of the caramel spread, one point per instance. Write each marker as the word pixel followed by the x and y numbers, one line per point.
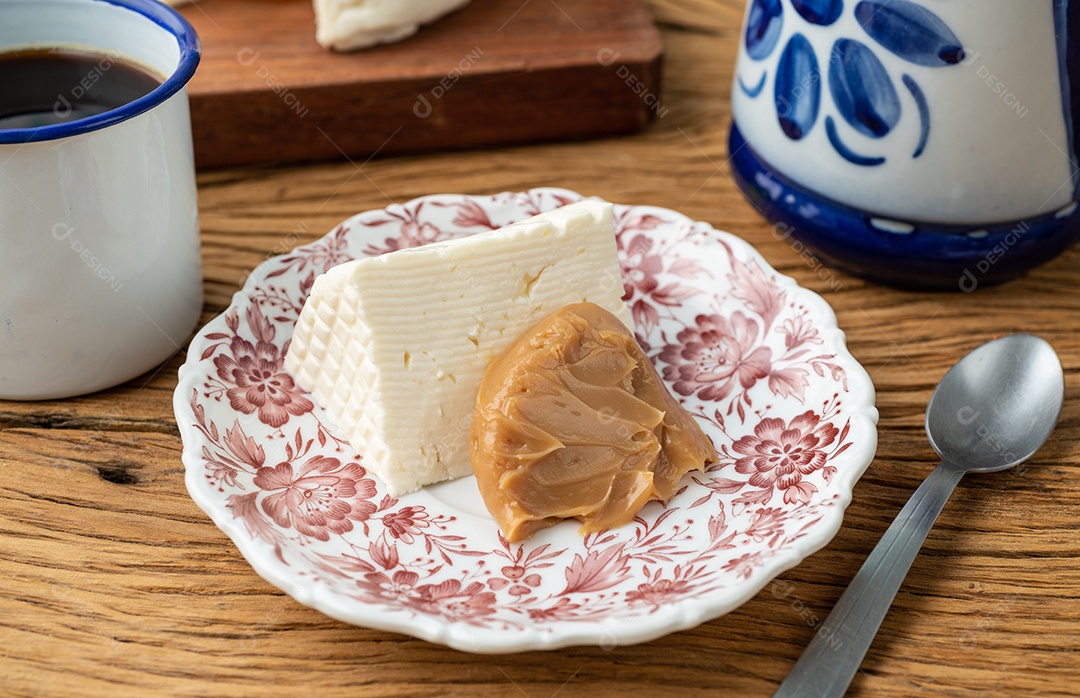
pixel 574 422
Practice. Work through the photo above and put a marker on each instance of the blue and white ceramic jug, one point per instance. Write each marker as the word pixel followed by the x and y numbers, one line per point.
pixel 924 143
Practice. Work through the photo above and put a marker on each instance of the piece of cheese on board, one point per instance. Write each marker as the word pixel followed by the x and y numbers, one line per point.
pixel 347 25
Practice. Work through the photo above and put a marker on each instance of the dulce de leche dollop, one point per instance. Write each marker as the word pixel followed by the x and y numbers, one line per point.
pixel 574 422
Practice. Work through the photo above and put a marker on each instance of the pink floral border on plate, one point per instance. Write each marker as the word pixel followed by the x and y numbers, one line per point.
pixel 758 359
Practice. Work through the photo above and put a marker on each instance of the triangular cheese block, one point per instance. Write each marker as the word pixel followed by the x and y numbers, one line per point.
pixel 394 347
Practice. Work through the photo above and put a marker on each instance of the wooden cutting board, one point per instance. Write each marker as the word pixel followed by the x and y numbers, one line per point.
pixel 496 72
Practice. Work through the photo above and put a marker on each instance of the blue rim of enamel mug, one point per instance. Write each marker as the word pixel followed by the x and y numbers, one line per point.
pixel 188 41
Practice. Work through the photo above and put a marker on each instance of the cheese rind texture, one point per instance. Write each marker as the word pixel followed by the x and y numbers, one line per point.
pixel 394 347
pixel 348 25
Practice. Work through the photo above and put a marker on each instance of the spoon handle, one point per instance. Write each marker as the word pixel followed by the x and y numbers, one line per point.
pixel 831 659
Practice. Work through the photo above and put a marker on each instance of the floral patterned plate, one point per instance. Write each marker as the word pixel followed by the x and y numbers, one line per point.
pixel 758 359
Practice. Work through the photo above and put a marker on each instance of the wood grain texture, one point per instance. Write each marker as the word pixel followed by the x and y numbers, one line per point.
pixel 496 72
pixel 116 584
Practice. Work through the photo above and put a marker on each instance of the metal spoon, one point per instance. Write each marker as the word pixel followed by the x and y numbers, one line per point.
pixel 992 410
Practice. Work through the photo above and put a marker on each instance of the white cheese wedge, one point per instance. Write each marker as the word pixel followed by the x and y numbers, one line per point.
pixel 394 347
pixel 347 25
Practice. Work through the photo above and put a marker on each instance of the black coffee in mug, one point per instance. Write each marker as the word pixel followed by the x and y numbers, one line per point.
pixel 40 87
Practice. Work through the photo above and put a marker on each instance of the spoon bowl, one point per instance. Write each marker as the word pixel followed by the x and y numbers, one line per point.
pixel 996 407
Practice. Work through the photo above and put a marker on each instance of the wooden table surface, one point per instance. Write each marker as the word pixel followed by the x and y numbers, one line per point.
pixel 114 583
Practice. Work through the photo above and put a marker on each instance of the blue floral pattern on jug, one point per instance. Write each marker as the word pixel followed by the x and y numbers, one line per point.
pixel 863 92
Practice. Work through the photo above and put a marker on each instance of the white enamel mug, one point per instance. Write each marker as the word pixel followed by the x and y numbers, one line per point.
pixel 100 274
